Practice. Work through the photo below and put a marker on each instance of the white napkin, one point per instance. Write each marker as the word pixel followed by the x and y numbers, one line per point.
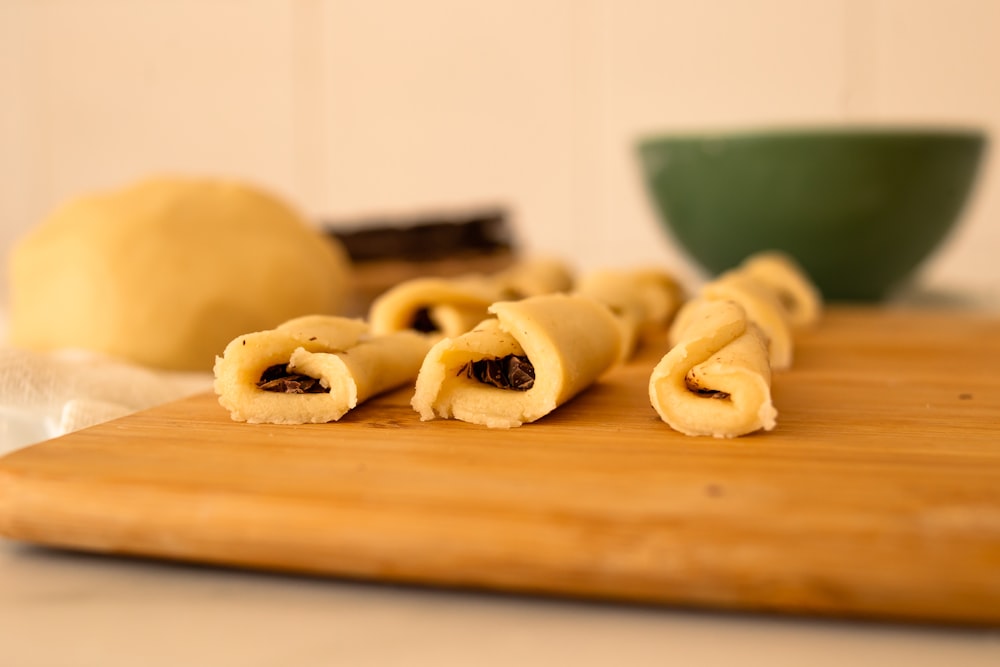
pixel 44 395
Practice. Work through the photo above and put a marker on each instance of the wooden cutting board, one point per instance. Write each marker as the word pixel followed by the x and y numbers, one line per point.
pixel 877 496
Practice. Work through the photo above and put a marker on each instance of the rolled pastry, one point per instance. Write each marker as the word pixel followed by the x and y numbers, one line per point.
pixel 313 369
pixel 440 306
pixel 533 277
pixel 535 355
pixel 800 298
pixel 761 305
pixel 644 300
pixel 447 307
pixel 716 380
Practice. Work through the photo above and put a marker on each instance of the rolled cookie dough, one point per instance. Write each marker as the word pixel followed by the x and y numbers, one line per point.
pixel 569 341
pixel 313 369
pixel 797 294
pixel 717 379
pixel 438 306
pixel 761 305
pixel 644 300
pixel 448 307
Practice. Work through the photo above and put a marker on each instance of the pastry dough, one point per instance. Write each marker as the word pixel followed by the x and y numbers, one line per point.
pixel 447 307
pixel 569 341
pixel 644 300
pixel 165 272
pixel 533 277
pixel 716 380
pixel 801 300
pixel 439 306
pixel 317 367
pixel 762 307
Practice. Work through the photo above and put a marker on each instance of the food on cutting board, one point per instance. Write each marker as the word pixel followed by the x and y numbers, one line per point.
pixel 777 296
pixel 644 301
pixel 514 368
pixel 501 363
pixel 533 276
pixel 796 292
pixel 313 369
pixel 716 379
pixel 761 305
pixel 439 306
pixel 452 306
pixel 165 272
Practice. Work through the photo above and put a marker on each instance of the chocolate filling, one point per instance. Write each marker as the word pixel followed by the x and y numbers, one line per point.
pixel 279 379
pixel 702 391
pixel 510 372
pixel 511 294
pixel 422 321
pixel 787 300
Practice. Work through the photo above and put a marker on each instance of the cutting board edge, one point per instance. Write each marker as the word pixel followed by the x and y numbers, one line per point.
pixel 791 592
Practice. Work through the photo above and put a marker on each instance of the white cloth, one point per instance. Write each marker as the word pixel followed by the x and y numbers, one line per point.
pixel 44 395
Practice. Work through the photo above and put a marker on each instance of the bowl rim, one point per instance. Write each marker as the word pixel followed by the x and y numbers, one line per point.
pixel 817 131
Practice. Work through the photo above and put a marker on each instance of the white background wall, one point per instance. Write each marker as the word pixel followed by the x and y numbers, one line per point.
pixel 357 107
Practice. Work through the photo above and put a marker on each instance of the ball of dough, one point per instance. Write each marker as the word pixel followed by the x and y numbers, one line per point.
pixel 166 272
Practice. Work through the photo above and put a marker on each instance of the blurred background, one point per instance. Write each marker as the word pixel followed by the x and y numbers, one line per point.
pixel 361 108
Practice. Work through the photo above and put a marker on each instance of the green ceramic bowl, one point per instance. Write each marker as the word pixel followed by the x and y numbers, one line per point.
pixel 859 208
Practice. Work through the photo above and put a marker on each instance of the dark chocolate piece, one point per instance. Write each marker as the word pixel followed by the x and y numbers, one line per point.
pixel 510 372
pixel 704 391
pixel 279 379
pixel 424 239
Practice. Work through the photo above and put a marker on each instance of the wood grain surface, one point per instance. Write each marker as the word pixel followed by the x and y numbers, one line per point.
pixel 877 496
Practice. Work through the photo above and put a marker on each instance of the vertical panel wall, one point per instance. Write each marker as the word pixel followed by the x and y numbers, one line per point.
pixel 355 108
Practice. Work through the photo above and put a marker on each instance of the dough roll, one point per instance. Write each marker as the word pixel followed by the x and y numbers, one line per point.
pixel 534 355
pixel 717 379
pixel 762 308
pixel 438 306
pixel 644 300
pixel 448 307
pixel 532 277
pixel 313 369
pixel 802 302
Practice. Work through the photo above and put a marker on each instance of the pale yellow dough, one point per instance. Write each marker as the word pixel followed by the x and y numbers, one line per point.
pixel 571 340
pixel 762 307
pixel 455 305
pixel 799 297
pixel 644 300
pixel 165 272
pixel 351 364
pixel 533 276
pixel 718 350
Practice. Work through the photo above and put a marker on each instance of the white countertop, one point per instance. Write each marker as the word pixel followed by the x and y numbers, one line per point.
pixel 59 608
